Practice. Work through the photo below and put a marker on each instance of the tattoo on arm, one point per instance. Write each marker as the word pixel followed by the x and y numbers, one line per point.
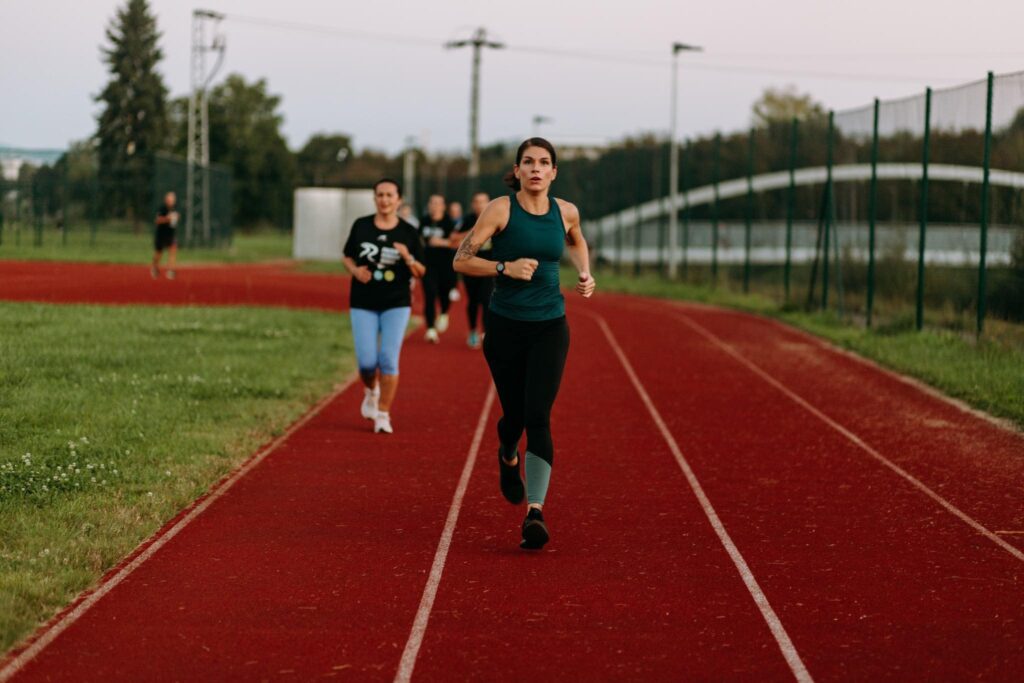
pixel 467 249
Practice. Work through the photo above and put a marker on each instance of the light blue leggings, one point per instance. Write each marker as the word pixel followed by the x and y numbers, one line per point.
pixel 378 337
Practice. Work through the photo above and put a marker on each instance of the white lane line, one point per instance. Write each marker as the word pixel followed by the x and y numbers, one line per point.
pixel 796 665
pixel 419 624
pixel 853 438
pixel 50 633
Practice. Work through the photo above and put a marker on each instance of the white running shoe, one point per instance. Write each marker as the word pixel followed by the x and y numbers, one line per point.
pixel 370 398
pixel 382 423
pixel 431 336
pixel 442 322
pixel 454 294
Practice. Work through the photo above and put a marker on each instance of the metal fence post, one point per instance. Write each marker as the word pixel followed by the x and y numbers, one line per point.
pixel 94 211
pixel 919 313
pixel 872 213
pixel 637 242
pixel 716 153
pixel 637 232
pixel 749 213
pixel 828 211
pixel 790 203
pixel 984 207
pixel 686 209
pixel 659 193
pixel 64 204
pixel 618 241
pixel 37 213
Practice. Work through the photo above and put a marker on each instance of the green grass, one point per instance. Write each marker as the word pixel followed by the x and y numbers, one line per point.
pixel 112 419
pixel 988 374
pixel 116 244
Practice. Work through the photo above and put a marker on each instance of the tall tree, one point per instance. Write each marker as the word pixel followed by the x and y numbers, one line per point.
pixel 245 136
pixel 320 159
pixel 781 105
pixel 133 121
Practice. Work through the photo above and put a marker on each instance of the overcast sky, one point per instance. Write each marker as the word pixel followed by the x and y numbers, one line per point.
pixel 380 92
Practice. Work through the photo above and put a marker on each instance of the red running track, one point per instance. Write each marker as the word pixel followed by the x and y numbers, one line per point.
pixel 879 526
pixel 265 284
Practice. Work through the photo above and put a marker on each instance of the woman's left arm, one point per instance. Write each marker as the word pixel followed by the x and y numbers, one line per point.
pixel 576 245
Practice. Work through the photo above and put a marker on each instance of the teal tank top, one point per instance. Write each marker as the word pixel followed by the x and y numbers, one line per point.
pixel 530 236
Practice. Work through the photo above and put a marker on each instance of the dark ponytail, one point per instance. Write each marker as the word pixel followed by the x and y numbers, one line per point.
pixel 510 177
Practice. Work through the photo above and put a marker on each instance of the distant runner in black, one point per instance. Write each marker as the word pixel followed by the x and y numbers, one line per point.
pixel 165 237
pixel 478 289
pixel 436 228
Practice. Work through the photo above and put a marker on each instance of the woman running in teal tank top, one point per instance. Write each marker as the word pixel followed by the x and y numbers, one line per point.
pixel 527 336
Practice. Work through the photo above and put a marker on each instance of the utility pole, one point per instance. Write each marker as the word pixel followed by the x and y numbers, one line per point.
pixel 197 192
pixel 673 166
pixel 478 41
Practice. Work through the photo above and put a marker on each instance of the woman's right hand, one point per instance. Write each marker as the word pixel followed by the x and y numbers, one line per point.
pixel 362 273
pixel 522 269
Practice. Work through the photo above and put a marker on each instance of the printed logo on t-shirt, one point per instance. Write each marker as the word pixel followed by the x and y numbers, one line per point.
pixel 369 251
pixel 381 256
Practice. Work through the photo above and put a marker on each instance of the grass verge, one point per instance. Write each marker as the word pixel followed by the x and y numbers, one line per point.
pixel 113 419
pixel 988 373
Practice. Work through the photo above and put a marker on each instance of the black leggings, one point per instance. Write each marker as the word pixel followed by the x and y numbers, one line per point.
pixel 526 360
pixel 435 288
pixel 478 296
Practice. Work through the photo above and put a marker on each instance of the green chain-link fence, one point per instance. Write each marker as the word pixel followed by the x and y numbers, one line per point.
pixel 66 204
pixel 900 213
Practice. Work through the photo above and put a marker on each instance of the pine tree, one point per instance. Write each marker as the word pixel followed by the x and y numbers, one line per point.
pixel 133 122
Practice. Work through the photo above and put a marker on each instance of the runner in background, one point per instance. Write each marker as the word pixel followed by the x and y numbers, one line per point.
pixel 165 237
pixel 435 229
pixel 406 213
pixel 527 335
pixel 456 217
pixel 478 289
pixel 383 253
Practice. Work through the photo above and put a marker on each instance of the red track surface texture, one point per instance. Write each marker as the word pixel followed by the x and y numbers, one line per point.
pixel 838 524
pixel 215 285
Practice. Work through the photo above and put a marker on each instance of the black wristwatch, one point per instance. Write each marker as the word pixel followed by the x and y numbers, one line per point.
pixel 500 267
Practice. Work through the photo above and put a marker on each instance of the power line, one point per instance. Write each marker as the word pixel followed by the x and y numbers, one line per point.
pixel 617 57
pixel 334 31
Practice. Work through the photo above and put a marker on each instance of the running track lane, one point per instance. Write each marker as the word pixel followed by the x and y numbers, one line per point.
pixel 312 564
pixel 880 601
pixel 634 584
pixel 977 468
pixel 268 284
pixel 872 577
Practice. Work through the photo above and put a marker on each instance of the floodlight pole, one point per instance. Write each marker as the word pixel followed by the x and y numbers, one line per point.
pixel 478 41
pixel 538 119
pixel 197 191
pixel 409 172
pixel 673 165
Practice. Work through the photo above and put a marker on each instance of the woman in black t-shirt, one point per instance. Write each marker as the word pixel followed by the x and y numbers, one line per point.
pixel 478 289
pixel 436 228
pixel 382 253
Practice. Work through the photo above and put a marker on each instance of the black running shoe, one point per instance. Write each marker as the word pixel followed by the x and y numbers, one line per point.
pixel 512 486
pixel 535 532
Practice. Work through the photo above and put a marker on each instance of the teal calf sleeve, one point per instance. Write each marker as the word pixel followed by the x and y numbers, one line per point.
pixel 538 475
